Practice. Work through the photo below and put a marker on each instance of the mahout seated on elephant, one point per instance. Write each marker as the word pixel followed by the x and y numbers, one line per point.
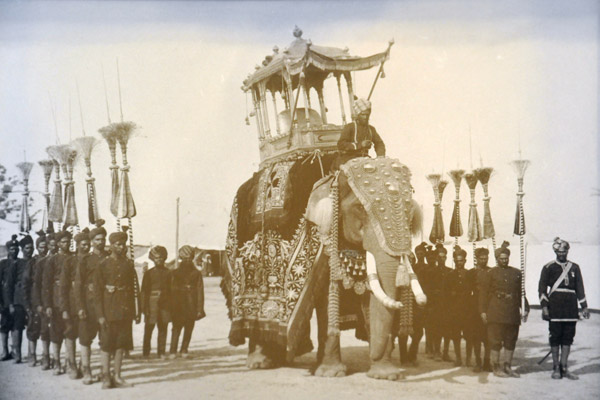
pixel 355 236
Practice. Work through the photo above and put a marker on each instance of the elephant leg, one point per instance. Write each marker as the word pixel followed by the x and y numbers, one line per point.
pixel 257 356
pixel 381 343
pixel 329 355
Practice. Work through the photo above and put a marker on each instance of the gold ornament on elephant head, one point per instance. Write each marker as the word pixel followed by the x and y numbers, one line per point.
pixel 383 187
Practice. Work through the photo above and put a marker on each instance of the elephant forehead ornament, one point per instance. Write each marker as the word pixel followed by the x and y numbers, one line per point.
pixel 382 185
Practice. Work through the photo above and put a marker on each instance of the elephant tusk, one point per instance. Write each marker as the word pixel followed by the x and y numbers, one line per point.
pixel 376 288
pixel 417 290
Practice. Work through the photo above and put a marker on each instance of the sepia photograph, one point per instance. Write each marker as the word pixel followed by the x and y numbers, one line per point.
pixel 301 199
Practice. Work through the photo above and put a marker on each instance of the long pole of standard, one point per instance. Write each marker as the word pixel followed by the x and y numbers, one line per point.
pixel 177 235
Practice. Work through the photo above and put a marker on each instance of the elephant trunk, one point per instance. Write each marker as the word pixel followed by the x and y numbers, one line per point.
pixel 381 274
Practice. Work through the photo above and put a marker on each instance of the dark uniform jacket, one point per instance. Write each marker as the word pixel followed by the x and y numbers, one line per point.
pixel 29 279
pixel 85 292
pixel 563 302
pixel 354 134
pixel 114 281
pixel 67 286
pixel 458 292
pixel 51 281
pixel 16 275
pixel 156 295
pixel 187 293
pixel 5 282
pixel 38 280
pixel 500 295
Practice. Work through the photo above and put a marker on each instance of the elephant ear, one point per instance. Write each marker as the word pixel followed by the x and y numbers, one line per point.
pixel 320 205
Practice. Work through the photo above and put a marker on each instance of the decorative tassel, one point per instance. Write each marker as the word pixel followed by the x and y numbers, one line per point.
pixel 109 134
pixel 456 229
pixel 437 234
pixel 483 175
pixel 474 232
pixel 85 146
pixel 55 213
pixel 25 220
pixel 47 167
pixel 70 208
pixel 335 271
pixel 520 167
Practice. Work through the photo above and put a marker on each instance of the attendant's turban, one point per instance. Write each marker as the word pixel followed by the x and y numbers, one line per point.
pixel 503 249
pixel 458 251
pixel 62 234
pixel 98 230
pixel 25 241
pixel 83 235
pixel 481 251
pixel 157 252
pixel 117 237
pixel 41 238
pixel 560 245
pixel 12 242
pixel 361 105
pixel 186 251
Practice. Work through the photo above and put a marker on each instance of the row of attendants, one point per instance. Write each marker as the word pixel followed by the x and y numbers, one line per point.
pixel 58 297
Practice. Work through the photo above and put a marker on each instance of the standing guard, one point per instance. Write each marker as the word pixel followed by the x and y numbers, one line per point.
pixel 499 307
pixel 560 305
pixel 156 301
pixel 51 295
pixel 39 287
pixel 115 307
pixel 477 329
pixel 34 323
pixel 459 293
pixel 86 297
pixel 187 294
pixel 17 294
pixel 69 302
pixel 6 308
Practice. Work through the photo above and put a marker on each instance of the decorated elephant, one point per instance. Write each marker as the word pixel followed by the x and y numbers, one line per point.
pixel 300 242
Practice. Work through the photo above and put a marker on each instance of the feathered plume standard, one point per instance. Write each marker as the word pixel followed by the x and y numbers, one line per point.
pixel 126 205
pixel 483 175
pixel 109 134
pixel 70 208
pixel 474 231
pixel 25 221
pixel 47 167
pixel 520 167
pixel 55 213
pixel 456 229
pixel 437 234
pixel 85 146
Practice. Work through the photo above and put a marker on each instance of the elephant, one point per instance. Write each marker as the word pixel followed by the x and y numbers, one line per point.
pixel 342 236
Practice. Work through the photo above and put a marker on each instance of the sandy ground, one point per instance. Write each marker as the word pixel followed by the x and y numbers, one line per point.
pixel 218 371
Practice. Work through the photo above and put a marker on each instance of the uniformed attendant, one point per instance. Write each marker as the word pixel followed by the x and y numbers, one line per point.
pixel 561 294
pixel 51 295
pixel 358 136
pixel 420 268
pixel 34 323
pixel 156 300
pixel 187 295
pixel 39 288
pixel 459 293
pixel 69 301
pixel 445 304
pixel 477 329
pixel 115 307
pixel 85 297
pixel 500 309
pixel 429 286
pixel 17 297
pixel 6 309
pixel 435 298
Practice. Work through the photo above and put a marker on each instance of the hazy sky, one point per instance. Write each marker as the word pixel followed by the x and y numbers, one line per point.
pixel 503 70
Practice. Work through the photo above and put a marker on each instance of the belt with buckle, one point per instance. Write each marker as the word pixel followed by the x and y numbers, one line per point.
pixel 112 288
pixel 155 293
pixel 504 295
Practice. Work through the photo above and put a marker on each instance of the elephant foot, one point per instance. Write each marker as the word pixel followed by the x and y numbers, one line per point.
pixel 337 370
pixel 385 370
pixel 257 359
